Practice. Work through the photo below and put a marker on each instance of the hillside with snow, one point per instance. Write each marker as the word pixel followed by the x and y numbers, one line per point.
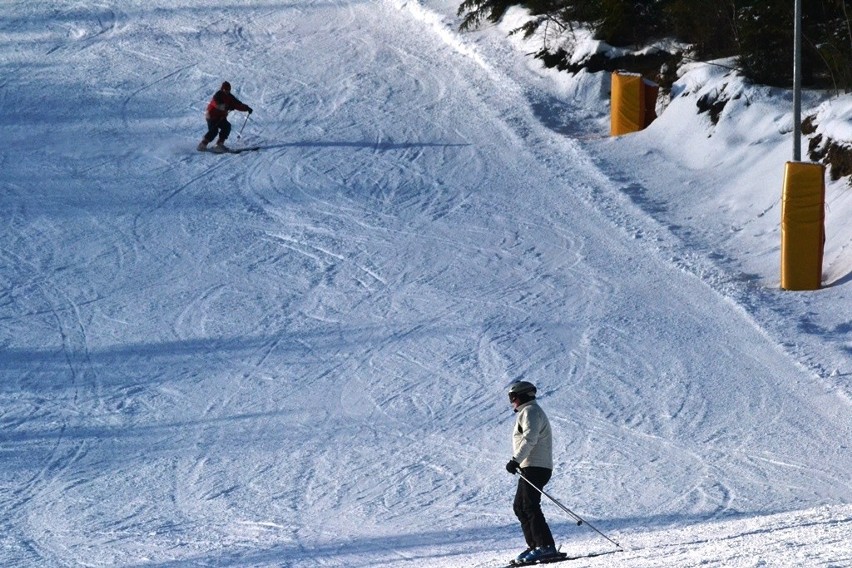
pixel 298 356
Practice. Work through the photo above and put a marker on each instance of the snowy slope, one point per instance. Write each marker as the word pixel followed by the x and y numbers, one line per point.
pixel 297 356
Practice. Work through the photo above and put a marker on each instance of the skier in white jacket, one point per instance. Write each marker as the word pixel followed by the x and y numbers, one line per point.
pixel 532 455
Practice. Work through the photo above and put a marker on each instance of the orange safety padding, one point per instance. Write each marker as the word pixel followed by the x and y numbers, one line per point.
pixel 627 103
pixel 633 103
pixel 802 226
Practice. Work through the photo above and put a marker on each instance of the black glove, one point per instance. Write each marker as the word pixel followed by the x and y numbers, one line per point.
pixel 512 466
pixel 249 110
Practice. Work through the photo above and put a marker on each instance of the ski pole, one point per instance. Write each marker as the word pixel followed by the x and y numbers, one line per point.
pixel 243 126
pixel 573 515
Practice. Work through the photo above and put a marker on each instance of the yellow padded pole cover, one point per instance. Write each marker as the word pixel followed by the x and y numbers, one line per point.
pixel 802 226
pixel 627 103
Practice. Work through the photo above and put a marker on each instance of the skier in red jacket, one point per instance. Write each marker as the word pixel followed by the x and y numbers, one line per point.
pixel 217 117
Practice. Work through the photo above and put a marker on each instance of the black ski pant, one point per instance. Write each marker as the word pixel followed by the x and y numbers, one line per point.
pixel 221 127
pixel 528 507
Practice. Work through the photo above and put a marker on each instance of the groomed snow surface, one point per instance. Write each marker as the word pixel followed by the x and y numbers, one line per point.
pixel 299 356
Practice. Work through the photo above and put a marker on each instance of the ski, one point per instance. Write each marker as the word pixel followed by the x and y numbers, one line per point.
pixel 232 150
pixel 561 557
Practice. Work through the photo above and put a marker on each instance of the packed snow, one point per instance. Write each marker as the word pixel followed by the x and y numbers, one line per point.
pixel 299 356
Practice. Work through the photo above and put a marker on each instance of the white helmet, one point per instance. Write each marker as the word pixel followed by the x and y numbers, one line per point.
pixel 519 388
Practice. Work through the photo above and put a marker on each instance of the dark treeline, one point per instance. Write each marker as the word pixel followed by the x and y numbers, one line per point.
pixel 758 33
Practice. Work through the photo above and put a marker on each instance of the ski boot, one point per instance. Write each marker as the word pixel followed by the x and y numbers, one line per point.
pixel 542 553
pixel 519 559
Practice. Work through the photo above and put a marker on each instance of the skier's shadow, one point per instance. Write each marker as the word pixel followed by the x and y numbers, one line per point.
pixel 377 146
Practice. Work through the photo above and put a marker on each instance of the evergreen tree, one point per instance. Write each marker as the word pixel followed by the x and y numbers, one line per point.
pixel 473 12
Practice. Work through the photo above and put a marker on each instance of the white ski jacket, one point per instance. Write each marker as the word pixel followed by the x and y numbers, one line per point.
pixel 532 440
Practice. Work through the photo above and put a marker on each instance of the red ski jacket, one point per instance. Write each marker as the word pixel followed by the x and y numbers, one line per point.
pixel 222 103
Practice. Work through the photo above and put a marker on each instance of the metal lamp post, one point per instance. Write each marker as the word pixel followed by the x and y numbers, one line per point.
pixel 797 82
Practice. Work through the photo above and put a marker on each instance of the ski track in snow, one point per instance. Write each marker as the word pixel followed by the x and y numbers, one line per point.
pixel 297 356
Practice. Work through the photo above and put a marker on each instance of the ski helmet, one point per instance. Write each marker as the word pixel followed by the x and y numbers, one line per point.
pixel 520 388
pixel 226 86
